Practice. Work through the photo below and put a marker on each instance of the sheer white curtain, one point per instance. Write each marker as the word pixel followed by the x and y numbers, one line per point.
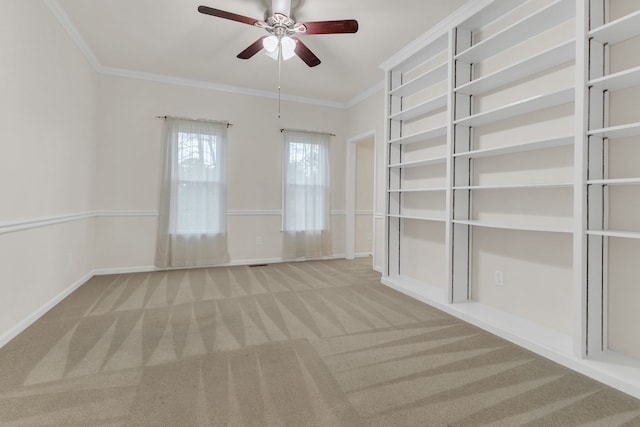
pixel 306 206
pixel 192 229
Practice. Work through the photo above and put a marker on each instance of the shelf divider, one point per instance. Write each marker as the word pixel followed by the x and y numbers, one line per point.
pixel 622 131
pixel 619 30
pixel 519 227
pixel 554 14
pixel 622 80
pixel 426 135
pixel 424 80
pixel 542 144
pixel 557 55
pixel 534 103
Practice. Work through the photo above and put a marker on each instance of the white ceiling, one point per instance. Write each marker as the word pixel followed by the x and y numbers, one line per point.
pixel 170 38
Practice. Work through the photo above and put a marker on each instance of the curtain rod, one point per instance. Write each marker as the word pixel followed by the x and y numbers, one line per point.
pixel 309 131
pixel 196 120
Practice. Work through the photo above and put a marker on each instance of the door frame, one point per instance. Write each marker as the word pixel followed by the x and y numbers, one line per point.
pixel 350 193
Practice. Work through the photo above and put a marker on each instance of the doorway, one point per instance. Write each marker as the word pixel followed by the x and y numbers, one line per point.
pixel 360 232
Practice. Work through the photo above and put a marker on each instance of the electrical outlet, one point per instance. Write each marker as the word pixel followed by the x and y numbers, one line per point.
pixel 258 240
pixel 369 236
pixel 499 278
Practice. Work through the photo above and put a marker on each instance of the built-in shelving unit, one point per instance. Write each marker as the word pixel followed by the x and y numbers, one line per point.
pixel 522 166
pixel 417 157
pixel 612 228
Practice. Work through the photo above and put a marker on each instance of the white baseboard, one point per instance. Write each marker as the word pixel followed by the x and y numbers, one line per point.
pixel 30 319
pixel 363 254
pixel 611 369
pixel 124 270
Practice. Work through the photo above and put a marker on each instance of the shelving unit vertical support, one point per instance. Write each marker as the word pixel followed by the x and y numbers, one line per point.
pixel 596 65
pixel 461 171
pixel 393 224
pixel 450 296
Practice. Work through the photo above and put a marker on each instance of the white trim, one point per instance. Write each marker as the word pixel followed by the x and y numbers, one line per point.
pixel 437 31
pixel 337 212
pixel 14 226
pixel 379 216
pixel 363 254
pixel 350 197
pixel 124 213
pixel 623 374
pixel 33 317
pixel 363 213
pixel 60 14
pixel 62 17
pixel 199 84
pixel 28 224
pixel 30 319
pixel 365 95
pixel 248 212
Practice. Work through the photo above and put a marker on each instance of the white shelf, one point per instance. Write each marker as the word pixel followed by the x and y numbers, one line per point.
pixel 617 81
pixel 535 103
pixel 424 80
pixel 622 131
pixel 520 227
pixel 489 14
pixel 615 233
pixel 515 186
pixel 419 190
pixel 422 109
pixel 517 148
pixel 421 136
pixel 554 14
pixel 616 182
pixel 618 30
pixel 417 163
pixel 561 54
pixel 417 218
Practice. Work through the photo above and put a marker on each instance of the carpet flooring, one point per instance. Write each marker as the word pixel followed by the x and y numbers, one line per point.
pixel 295 344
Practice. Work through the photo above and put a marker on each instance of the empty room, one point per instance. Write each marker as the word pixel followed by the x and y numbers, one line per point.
pixel 319 213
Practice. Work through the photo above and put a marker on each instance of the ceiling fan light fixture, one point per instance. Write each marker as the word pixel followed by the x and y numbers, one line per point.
pixel 288 47
pixel 270 44
pixel 272 47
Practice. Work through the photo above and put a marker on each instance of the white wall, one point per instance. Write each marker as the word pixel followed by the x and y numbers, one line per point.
pixel 80 166
pixel 129 158
pixel 47 122
pixel 365 117
pixel 365 178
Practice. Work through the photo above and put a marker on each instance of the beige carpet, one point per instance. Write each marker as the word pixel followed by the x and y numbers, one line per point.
pixel 299 344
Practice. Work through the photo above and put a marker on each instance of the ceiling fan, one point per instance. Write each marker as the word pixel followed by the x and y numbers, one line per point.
pixel 282 43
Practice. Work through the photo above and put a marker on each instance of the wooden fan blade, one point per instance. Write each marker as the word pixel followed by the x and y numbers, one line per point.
pixel 254 48
pixel 305 53
pixel 227 15
pixel 332 27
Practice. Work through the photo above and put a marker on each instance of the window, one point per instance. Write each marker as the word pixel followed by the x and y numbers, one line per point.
pixel 306 195
pixel 306 182
pixel 199 183
pixel 192 229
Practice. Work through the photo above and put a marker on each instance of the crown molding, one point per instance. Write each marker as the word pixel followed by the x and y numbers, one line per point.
pixel 62 17
pixel 199 84
pixel 365 95
pixel 73 32
pixel 438 30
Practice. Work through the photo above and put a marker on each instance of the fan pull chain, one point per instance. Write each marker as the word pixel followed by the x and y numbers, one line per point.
pixel 279 74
